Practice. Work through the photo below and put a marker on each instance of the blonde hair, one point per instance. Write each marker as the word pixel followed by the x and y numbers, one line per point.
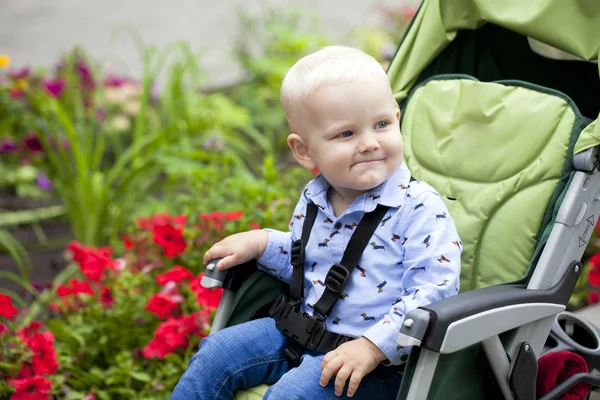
pixel 331 65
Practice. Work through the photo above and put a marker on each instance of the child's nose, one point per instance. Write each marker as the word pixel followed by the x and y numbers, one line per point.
pixel 368 143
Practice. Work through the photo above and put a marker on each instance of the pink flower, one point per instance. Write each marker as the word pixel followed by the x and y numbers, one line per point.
pixel 54 87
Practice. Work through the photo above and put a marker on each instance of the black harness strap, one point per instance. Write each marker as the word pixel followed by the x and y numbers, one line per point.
pixel 308 331
pixel 297 255
pixel 339 274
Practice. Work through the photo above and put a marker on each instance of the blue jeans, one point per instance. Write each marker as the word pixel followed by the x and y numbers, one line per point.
pixel 251 353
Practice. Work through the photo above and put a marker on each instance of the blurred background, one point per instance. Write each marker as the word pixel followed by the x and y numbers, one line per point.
pixel 36 32
pixel 134 135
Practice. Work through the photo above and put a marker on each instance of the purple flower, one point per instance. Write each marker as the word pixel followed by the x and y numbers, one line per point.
pixel 87 80
pixel 33 144
pixel 43 182
pixel 7 145
pixel 101 114
pixel 21 73
pixel 54 86
pixel 112 80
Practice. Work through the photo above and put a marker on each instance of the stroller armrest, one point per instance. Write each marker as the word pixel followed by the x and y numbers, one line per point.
pixel 457 322
pixel 230 279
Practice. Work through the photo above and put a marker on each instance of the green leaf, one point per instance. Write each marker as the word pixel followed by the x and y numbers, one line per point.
pixel 63 334
pixel 140 376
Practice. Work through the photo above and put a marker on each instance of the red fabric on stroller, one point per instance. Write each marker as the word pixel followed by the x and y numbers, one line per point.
pixel 555 367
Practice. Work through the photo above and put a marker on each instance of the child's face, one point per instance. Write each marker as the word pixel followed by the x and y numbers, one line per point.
pixel 352 134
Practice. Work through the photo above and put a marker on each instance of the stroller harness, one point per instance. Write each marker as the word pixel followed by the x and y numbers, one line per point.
pixel 305 331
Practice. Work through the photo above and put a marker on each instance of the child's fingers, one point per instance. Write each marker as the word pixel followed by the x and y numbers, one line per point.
pixel 228 262
pixel 216 251
pixel 329 370
pixel 355 380
pixel 341 378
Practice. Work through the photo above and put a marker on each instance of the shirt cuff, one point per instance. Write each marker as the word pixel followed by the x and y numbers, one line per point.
pixel 383 335
pixel 274 257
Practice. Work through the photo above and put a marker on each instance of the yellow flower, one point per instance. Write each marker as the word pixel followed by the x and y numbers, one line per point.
pixel 22 84
pixel 4 61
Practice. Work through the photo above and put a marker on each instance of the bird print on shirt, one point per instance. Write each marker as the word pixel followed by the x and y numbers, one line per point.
pixel 442 259
pixel 386 219
pixel 427 242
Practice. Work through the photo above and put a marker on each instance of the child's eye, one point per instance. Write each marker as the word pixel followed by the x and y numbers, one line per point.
pixel 345 134
pixel 381 125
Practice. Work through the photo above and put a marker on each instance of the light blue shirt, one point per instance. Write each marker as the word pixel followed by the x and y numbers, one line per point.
pixel 413 258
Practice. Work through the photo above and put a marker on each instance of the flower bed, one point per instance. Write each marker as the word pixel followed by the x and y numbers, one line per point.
pixel 123 327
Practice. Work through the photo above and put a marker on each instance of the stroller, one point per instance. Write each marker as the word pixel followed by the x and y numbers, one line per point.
pixel 500 109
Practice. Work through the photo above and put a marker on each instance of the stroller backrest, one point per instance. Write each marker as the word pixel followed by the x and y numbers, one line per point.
pixel 496 152
pixel 493 126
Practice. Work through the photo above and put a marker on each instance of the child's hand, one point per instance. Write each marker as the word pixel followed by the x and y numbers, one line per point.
pixel 237 249
pixel 354 360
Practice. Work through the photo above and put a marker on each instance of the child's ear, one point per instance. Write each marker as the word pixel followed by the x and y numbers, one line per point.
pixel 398 114
pixel 300 151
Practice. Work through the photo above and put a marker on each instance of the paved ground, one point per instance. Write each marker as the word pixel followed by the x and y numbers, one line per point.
pixel 36 31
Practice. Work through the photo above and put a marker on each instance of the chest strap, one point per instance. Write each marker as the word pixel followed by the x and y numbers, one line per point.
pixel 308 331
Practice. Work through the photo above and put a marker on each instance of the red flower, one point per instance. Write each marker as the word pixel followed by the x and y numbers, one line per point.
pixel 217 218
pixel 26 371
pixel 78 250
pixel 92 261
pixel 7 310
pixel 593 297
pixel 150 223
pixel 208 298
pixel 33 143
pixel 172 334
pixel 595 260
pixel 594 277
pixel 3 329
pixel 34 388
pixel 106 297
pixel 170 239
pixel 127 243
pixel 161 304
pixel 75 287
pixel 176 274
pixel 44 359
pixel 254 225
pixel 30 330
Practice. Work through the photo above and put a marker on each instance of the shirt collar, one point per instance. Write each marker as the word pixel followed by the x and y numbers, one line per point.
pixel 390 193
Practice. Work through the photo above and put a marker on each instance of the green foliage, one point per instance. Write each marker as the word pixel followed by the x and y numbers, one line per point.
pixel 216 182
pixel 266 48
pixel 99 346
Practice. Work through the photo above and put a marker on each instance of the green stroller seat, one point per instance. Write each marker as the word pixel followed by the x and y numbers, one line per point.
pixel 500 103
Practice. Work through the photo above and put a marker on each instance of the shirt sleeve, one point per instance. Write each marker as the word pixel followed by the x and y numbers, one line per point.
pixel 431 272
pixel 276 258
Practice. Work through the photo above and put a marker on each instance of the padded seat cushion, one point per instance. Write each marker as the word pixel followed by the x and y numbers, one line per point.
pixel 495 152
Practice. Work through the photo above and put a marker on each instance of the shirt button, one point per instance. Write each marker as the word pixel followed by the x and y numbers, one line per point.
pixel 337 225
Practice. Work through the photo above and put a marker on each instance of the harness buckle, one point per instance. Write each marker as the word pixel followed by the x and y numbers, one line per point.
pixel 297 254
pixel 302 328
pixel 292 356
pixel 336 278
